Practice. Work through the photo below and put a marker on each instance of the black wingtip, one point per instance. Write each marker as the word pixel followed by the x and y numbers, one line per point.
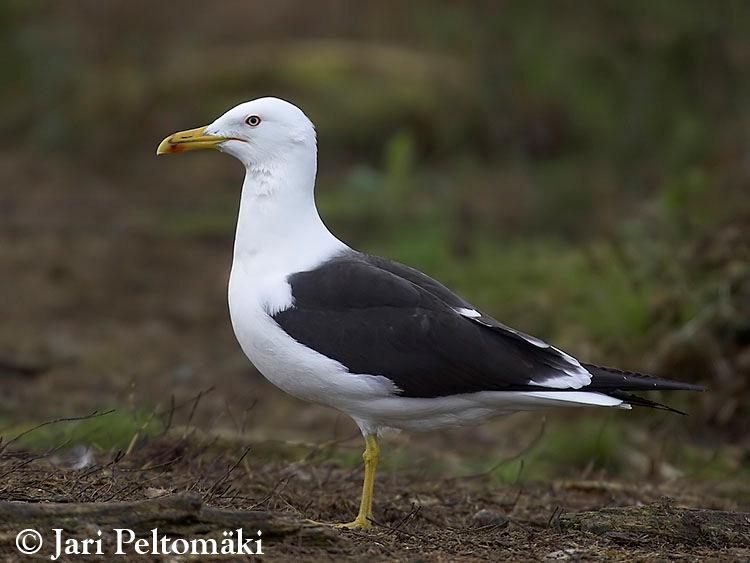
pixel 611 378
pixel 637 401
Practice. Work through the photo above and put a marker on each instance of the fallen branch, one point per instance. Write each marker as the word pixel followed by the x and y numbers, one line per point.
pixel 688 526
pixel 184 515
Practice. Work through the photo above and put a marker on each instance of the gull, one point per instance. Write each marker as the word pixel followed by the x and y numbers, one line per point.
pixel 379 341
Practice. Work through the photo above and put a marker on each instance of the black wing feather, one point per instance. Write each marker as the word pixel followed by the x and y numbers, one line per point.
pixel 383 318
pixel 547 355
pixel 376 322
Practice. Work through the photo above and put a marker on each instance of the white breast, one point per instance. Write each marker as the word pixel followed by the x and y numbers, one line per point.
pixel 291 366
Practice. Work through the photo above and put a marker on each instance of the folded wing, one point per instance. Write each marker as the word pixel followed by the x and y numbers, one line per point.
pixel 381 318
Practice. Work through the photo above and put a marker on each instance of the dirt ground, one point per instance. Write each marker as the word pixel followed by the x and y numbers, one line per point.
pixel 420 517
pixel 107 303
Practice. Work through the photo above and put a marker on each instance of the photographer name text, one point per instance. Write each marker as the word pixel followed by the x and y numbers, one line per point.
pixel 126 542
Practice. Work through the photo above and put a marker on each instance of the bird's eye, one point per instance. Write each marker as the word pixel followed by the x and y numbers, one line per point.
pixel 253 121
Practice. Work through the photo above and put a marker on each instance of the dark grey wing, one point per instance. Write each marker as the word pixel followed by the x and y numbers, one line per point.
pixel 602 379
pixel 548 354
pixel 418 278
pixel 376 322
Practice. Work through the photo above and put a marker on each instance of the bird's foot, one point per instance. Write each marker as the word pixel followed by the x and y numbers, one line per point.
pixel 359 523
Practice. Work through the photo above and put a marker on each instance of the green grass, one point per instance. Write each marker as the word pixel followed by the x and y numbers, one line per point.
pixel 568 448
pixel 571 447
pixel 112 431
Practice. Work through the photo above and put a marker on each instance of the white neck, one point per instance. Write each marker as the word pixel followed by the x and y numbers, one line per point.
pixel 279 229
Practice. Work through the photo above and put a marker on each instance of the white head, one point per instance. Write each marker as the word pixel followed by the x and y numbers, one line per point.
pixel 262 133
pixel 276 143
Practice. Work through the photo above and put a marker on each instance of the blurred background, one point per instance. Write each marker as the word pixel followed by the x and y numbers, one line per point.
pixel 580 171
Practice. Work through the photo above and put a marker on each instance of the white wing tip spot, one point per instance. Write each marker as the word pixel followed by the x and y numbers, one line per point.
pixel 576 376
pixel 571 380
pixel 466 312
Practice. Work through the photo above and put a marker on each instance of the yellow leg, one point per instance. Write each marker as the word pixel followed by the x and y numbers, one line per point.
pixel 371 456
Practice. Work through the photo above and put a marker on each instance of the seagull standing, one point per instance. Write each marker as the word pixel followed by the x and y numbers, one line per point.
pixel 378 340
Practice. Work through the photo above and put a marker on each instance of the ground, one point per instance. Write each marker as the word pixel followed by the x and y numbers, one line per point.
pixel 111 304
pixel 419 517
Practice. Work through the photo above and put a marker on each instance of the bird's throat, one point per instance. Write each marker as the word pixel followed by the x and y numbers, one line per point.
pixel 278 225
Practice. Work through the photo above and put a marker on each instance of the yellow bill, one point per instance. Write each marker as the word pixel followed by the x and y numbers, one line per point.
pixel 191 140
